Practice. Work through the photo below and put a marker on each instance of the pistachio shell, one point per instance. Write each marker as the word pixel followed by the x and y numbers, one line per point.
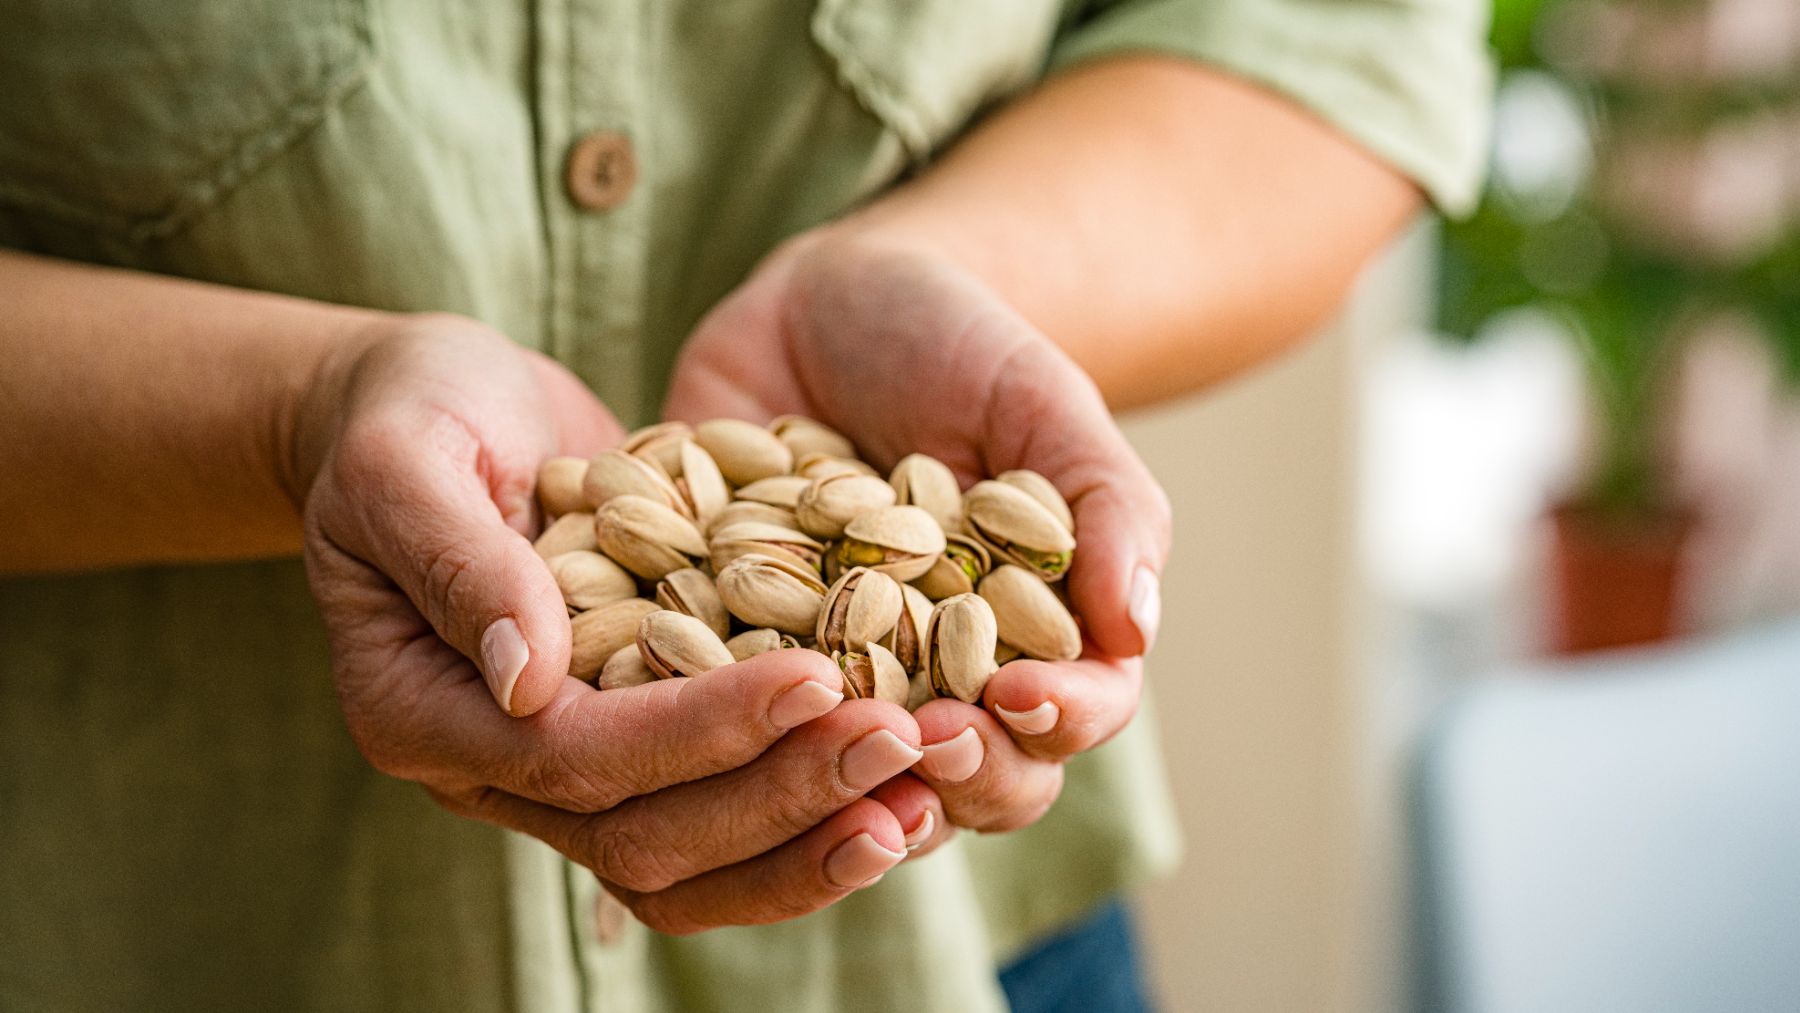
pixel 861 606
pixel 1018 529
pixel 751 643
pixel 808 436
pixel 571 532
pixel 1005 652
pixel 1029 616
pixel 614 473
pixel 873 674
pixel 1039 488
pixel 745 451
pixel 918 690
pixel 676 645
pixel 777 490
pixel 778 593
pixel 691 592
pixel 590 580
pixel 924 481
pixel 559 485
pixel 901 541
pixel 957 570
pixel 597 633
pixel 625 668
pixel 647 538
pixel 907 641
pixel 817 466
pixel 660 443
pixel 701 485
pixel 832 502
pixel 734 540
pixel 959 647
pixel 739 510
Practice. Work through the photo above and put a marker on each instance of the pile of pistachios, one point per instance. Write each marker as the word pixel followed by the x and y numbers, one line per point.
pixel 688 548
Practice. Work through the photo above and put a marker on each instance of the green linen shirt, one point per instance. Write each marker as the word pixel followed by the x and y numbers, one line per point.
pixel 184 822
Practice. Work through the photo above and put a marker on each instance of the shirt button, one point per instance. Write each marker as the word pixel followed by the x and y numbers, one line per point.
pixel 601 171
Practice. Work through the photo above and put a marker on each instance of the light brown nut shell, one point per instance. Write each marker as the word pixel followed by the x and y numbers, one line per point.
pixel 900 541
pixel 740 510
pixel 817 466
pixel 1039 488
pixel 614 473
pixel 572 532
pixel 777 490
pixel 734 540
pixel 691 592
pixel 928 483
pixel 959 647
pixel 1018 529
pixel 676 645
pixel 559 485
pixel 765 591
pixel 660 442
pixel 833 501
pixel 873 674
pixel 907 640
pixel 590 580
pixel 625 668
pixel 751 643
pixel 597 633
pixel 745 451
pixel 862 606
pixel 647 538
pixel 701 485
pixel 805 436
pixel 957 570
pixel 1029 616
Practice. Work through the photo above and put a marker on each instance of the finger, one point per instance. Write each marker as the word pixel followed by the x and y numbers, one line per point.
pixel 985 780
pixel 851 850
pixel 583 425
pixel 920 812
pixel 1054 710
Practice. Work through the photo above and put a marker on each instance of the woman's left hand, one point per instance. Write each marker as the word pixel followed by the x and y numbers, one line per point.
pixel 903 351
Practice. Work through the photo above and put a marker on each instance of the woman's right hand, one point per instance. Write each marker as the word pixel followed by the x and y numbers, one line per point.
pixel 737 798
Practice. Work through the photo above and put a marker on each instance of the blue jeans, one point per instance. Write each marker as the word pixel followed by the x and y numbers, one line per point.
pixel 1092 967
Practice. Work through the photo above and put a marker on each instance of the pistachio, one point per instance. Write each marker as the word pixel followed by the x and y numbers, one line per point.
pixel 734 540
pixel 745 451
pixel 873 674
pixel 751 643
pixel 807 436
pixel 614 473
pixel 1005 652
pixel 1016 528
pixel 647 538
pixel 690 592
pixel 739 510
pixel 860 607
pixel 701 485
pixel 1029 616
pixel 590 580
pixel 767 591
pixel 908 639
pixel 559 485
pixel 918 690
pixel 625 668
pixel 676 646
pixel 776 490
pixel 660 443
pixel 572 532
pixel 924 481
pixel 817 466
pixel 597 633
pixel 1039 488
pixel 957 570
pixel 832 502
pixel 959 647
pixel 901 541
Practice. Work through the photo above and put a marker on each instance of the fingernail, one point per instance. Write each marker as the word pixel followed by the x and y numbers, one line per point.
pixel 503 656
pixel 1035 721
pixel 956 759
pixel 1146 605
pixel 876 757
pixel 796 706
pixel 921 833
pixel 859 861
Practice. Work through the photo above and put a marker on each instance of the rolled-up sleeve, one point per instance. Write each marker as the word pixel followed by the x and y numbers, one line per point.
pixel 1410 80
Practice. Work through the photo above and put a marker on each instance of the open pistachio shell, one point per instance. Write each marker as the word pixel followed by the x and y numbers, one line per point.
pixel 590 580
pixel 805 436
pixel 559 485
pixel 572 532
pixel 872 674
pixel 701 485
pixel 613 473
pixel 1016 528
pixel 959 647
pixel 741 510
pixel 647 538
pixel 957 570
pixel 625 668
pixel 778 593
pixel 676 646
pixel 734 540
pixel 751 643
pixel 660 442
pixel 690 591
pixel 1029 616
pixel 862 606
pixel 900 541
pixel 597 633
pixel 777 490
pixel 907 640
pixel 745 451
pixel 817 466
pixel 1039 488
pixel 924 481
pixel 833 501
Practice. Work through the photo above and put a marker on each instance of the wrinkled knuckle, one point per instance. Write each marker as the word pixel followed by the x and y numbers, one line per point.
pixel 558 782
pixel 625 857
pixel 1022 809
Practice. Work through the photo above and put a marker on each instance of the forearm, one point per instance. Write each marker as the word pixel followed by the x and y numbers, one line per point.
pixel 1162 222
pixel 147 419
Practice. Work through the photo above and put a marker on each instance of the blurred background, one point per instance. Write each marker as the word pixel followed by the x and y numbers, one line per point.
pixel 1481 688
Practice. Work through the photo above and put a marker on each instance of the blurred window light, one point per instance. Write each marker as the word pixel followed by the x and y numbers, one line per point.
pixel 1542 146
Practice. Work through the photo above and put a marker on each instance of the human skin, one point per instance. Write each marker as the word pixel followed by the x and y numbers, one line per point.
pixel 1199 225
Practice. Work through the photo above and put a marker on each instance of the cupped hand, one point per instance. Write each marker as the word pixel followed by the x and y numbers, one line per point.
pixel 729 799
pixel 903 351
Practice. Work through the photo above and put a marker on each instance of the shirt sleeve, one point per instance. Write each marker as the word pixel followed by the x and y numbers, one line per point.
pixel 1410 80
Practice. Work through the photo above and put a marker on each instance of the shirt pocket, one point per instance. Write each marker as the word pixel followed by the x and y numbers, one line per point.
pixel 131 116
pixel 926 67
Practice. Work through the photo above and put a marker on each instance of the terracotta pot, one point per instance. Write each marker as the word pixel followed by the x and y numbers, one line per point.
pixel 1617 580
